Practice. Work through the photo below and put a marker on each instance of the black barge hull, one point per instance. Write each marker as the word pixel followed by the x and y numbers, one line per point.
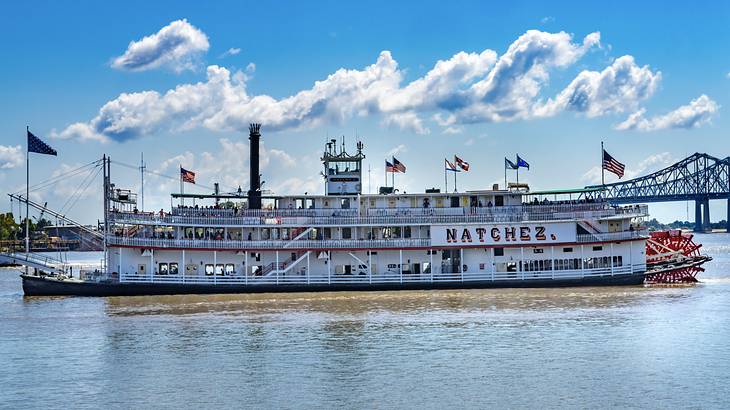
pixel 44 286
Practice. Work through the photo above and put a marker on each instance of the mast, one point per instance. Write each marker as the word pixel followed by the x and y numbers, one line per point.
pixel 27 193
pixel 106 166
pixel 603 177
pixel 142 169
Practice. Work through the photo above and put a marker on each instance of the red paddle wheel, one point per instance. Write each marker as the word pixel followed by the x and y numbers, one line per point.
pixel 672 257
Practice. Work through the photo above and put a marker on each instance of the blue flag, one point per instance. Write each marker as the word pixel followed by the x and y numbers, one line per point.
pixel 36 145
pixel 509 164
pixel 522 163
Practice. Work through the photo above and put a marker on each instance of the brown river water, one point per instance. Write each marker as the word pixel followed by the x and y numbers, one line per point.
pixel 643 347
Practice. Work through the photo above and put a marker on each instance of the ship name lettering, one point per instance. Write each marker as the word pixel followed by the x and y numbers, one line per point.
pixel 540 233
pixel 524 233
pixel 480 233
pixel 451 235
pixel 509 234
pixel 466 235
pixel 495 234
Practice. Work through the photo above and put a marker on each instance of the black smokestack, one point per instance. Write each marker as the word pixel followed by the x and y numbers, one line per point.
pixel 254 193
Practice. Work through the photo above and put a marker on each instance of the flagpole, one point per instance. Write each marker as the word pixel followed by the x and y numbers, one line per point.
pixel 182 188
pixel 455 190
pixel 27 193
pixel 603 178
pixel 505 175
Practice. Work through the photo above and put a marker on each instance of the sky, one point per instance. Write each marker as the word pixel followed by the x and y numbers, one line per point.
pixel 422 81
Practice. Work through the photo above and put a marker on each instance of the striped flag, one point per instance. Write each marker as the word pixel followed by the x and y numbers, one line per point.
pixel 389 167
pixel 36 145
pixel 187 176
pixel 398 166
pixel 461 163
pixel 449 166
pixel 611 165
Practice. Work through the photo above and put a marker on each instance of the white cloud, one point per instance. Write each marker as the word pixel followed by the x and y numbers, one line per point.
pixel 466 88
pixel 397 150
pixel 177 46
pixel 230 52
pixel 11 156
pixel 648 165
pixel 698 112
pixel 453 130
pixel 618 88
pixel 547 19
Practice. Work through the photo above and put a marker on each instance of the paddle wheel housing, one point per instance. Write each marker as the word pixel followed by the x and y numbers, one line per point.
pixel 673 257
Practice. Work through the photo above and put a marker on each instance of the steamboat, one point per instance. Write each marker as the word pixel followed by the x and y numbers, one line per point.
pixel 244 242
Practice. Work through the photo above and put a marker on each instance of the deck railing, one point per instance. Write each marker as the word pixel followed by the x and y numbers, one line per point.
pixel 384 278
pixel 403 243
pixel 270 244
pixel 385 216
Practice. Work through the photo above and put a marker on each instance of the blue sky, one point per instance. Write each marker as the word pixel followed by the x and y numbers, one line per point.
pixel 549 81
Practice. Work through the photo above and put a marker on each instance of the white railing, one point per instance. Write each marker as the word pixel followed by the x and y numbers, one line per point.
pixel 385 278
pixel 612 236
pixel 403 243
pixel 269 244
pixel 385 216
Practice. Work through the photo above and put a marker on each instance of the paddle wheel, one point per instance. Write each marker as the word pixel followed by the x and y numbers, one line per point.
pixel 673 257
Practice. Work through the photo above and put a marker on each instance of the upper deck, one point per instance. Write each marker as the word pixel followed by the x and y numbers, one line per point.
pixel 393 211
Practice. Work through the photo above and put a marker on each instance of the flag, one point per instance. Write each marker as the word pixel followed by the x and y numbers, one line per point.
pixel 450 167
pixel 187 176
pixel 509 164
pixel 611 165
pixel 522 163
pixel 389 167
pixel 398 166
pixel 461 163
pixel 36 145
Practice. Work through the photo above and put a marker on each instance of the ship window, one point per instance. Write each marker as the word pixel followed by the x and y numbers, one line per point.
pixel 173 268
pixel 256 256
pixel 346 233
pixel 537 250
pixel 454 201
pixel 209 269
pixel 345 203
pixel 598 248
pixel 498 251
pixel 617 261
pixel 230 269
pixel 219 269
pixel 162 269
pixel 406 231
pixel 498 200
pixel 566 250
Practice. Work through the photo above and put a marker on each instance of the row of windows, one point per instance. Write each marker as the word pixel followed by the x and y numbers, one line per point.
pixel 572 264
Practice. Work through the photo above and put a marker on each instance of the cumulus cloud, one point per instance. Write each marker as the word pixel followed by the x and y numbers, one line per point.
pixel 619 87
pixel 11 156
pixel 177 46
pixel 698 112
pixel 466 88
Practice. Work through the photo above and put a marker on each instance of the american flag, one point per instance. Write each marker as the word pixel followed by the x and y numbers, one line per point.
pixel 36 145
pixel 389 167
pixel 611 165
pixel 461 163
pixel 187 176
pixel 398 166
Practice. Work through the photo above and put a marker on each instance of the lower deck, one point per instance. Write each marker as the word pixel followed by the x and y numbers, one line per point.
pixel 363 267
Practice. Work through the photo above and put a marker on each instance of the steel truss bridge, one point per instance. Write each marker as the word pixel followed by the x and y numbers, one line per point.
pixel 699 178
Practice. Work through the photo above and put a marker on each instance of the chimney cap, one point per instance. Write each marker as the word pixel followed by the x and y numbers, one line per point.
pixel 253 128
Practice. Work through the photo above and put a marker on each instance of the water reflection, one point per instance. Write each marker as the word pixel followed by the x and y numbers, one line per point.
pixel 256 307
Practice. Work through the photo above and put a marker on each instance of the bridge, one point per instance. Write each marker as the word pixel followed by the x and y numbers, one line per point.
pixel 699 178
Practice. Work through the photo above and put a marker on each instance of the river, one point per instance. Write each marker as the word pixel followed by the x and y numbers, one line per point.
pixel 640 346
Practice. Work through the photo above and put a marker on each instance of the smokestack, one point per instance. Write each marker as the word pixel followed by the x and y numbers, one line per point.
pixel 254 193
